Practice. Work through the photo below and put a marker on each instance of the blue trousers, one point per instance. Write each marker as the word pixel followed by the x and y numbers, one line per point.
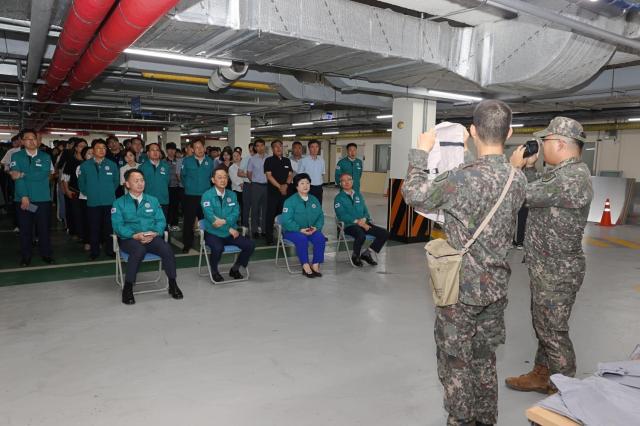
pixel 136 251
pixel 41 219
pixel 302 245
pixel 216 245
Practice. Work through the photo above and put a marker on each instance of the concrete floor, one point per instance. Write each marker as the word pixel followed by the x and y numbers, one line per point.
pixel 352 348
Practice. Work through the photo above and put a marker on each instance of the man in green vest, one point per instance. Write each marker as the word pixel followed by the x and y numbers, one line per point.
pixel 350 165
pixel 98 179
pixel 30 169
pixel 351 209
pixel 139 223
pixel 157 174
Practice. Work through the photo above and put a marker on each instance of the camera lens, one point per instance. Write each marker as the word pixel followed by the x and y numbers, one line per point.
pixel 531 147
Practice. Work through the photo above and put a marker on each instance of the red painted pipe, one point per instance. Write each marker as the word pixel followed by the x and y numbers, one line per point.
pixel 129 20
pixel 81 24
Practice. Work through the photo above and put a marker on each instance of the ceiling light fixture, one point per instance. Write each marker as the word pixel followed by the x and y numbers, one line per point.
pixel 304 123
pixel 222 139
pixel 384 117
pixel 215 132
pixel 290 135
pixel 330 133
pixel 517 125
pixel 634 119
pixel 178 57
pixel 389 130
pixel 453 96
pixel 5 134
pixel 122 135
pixel 64 133
pixel 252 129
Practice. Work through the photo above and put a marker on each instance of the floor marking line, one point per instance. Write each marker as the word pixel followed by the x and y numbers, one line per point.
pixel 596 242
pixel 624 243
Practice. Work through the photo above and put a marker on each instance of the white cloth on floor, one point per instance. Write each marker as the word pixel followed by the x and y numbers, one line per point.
pixel 447 154
pixel 624 372
pixel 595 401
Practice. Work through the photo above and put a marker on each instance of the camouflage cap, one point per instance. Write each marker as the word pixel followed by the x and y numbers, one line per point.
pixel 563 126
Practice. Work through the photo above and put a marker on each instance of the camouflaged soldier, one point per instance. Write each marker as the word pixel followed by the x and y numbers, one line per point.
pixel 558 202
pixel 468 333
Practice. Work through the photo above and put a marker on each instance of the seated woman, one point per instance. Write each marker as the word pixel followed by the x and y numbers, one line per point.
pixel 302 221
pixel 139 223
pixel 221 211
pixel 351 209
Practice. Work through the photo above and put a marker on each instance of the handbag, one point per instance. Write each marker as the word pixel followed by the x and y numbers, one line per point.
pixel 444 262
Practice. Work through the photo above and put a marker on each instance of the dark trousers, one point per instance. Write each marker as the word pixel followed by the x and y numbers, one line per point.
pixel 316 191
pixel 241 204
pixel 78 209
pixel 192 210
pixel 275 201
pixel 216 245
pixel 136 251
pixel 521 225
pixel 175 200
pixel 246 203
pixel 42 221
pixel 165 211
pixel 68 216
pixel 258 206
pixel 360 235
pixel 99 221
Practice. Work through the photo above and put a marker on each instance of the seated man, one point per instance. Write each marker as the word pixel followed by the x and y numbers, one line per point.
pixel 351 209
pixel 221 210
pixel 139 223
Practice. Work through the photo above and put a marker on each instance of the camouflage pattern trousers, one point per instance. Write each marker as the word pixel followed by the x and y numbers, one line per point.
pixel 553 292
pixel 466 339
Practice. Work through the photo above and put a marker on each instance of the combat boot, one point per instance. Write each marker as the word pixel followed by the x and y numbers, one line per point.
pixel 536 380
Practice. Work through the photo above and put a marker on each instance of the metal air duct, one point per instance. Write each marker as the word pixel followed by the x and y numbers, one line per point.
pixel 224 76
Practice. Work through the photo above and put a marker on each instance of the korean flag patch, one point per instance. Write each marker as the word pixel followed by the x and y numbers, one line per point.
pixel 228 199
pixel 284 210
pixel 13 163
pixel 206 204
pixel 106 167
pixel 337 205
pixel 113 210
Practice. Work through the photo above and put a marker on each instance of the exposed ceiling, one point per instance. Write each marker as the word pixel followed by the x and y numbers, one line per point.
pixel 297 51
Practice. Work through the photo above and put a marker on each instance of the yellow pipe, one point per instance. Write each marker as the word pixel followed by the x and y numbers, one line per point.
pixel 249 85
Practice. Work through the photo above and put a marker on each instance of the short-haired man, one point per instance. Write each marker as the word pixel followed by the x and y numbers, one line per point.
pixel 277 168
pixel 195 174
pixel 296 156
pixel 157 174
pixel 558 202
pixel 351 208
pixel 138 147
pixel 139 223
pixel 30 169
pixel 350 165
pixel 98 179
pixel 115 153
pixel 468 332
pixel 255 172
pixel 313 165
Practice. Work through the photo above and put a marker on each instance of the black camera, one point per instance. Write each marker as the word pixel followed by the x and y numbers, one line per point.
pixel 531 147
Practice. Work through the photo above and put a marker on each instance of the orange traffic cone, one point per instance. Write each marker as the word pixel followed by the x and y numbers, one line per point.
pixel 606 215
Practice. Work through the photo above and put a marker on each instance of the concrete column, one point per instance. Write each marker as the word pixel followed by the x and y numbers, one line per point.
pixel 240 132
pixel 151 137
pixel 410 118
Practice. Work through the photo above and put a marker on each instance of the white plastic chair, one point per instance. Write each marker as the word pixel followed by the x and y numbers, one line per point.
pixel 205 250
pixel 343 239
pixel 122 257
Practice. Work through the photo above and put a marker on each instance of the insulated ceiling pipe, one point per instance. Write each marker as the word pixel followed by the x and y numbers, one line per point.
pixel 81 24
pixel 224 76
pixel 128 21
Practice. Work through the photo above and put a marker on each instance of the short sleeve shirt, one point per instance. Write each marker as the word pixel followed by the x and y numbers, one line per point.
pixel 279 168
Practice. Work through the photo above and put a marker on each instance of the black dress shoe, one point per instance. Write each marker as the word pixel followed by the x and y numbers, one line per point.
pixel 316 274
pixel 127 294
pixel 217 277
pixel 174 290
pixel 93 256
pixel 367 258
pixel 356 260
pixel 25 261
pixel 185 250
pixel 235 274
pixel 311 275
pixel 256 235
pixel 112 255
pixel 48 260
pixel 269 242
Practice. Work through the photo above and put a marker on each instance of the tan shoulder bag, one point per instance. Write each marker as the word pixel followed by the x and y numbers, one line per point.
pixel 444 261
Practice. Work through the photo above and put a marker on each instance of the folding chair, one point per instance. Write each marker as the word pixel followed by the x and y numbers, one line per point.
pixel 343 238
pixel 205 251
pixel 122 257
pixel 284 244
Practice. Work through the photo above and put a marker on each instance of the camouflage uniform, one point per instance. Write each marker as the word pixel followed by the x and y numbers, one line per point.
pixel 468 333
pixel 558 202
